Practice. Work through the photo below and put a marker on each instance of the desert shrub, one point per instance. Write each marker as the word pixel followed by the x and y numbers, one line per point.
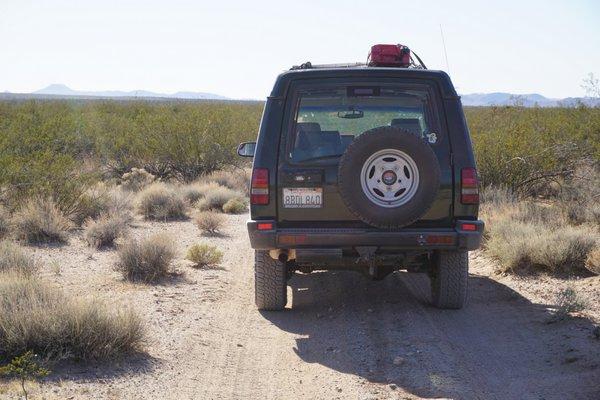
pixel 531 235
pixel 215 199
pixel 204 255
pixel 40 221
pixel 104 230
pixel 209 222
pixel 197 190
pixel 568 301
pixel 237 180
pixel 119 204
pixel 13 258
pixel 39 317
pixel 136 179
pixel 146 260
pixel 161 202
pixel 578 213
pixel 4 222
pixel 234 206
pixel 592 263
pixel 102 199
pixel 519 245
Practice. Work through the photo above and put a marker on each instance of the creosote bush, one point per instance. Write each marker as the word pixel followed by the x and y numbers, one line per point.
pixel 234 206
pixel 215 199
pixel 14 258
pixel 40 221
pixel 204 255
pixel 105 230
pixel 39 317
pixel 161 202
pixel 209 222
pixel 146 260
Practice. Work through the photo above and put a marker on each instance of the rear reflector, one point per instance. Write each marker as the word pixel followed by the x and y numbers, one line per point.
pixel 265 226
pixel 259 186
pixel 468 227
pixel 469 191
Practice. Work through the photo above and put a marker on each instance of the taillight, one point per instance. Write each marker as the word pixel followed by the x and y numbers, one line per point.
pixel 469 191
pixel 259 187
pixel 468 227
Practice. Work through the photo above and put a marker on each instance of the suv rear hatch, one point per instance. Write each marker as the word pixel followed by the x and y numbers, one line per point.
pixel 323 116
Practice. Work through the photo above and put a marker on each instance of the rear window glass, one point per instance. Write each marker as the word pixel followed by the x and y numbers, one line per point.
pixel 327 120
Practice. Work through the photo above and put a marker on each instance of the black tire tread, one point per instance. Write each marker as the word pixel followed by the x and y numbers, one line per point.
pixel 449 280
pixel 270 282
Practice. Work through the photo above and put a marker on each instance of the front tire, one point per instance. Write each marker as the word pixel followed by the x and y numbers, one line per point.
pixel 270 282
pixel 449 276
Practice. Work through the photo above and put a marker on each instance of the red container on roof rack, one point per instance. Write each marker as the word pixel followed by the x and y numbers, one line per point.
pixel 389 55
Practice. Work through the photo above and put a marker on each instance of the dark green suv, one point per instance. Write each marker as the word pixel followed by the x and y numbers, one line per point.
pixel 363 168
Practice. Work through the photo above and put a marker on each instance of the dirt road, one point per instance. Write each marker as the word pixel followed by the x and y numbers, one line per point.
pixel 343 336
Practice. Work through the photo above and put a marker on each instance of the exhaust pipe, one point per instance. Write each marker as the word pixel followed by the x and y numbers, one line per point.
pixel 282 255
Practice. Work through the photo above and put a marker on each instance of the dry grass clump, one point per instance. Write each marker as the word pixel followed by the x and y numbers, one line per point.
pixel 105 230
pixel 209 222
pixel 136 179
pixel 39 317
pixel 204 255
pixel 13 258
pixel 4 222
pixel 102 199
pixel 215 199
pixel 197 190
pixel 234 206
pixel 146 260
pixel 237 180
pixel 161 202
pixel 536 236
pixel 40 221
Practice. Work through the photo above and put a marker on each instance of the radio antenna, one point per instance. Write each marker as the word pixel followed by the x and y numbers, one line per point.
pixel 445 52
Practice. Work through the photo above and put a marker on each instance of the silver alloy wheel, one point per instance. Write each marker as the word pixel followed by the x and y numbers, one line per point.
pixel 389 178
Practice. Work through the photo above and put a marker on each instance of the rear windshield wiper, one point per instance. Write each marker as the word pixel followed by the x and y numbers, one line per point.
pixel 319 158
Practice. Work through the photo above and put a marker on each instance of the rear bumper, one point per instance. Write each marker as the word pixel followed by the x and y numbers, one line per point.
pixel 455 238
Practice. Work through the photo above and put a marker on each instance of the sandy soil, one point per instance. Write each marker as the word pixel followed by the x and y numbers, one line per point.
pixel 343 336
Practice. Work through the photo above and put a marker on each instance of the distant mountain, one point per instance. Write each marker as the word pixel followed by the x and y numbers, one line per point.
pixel 472 99
pixel 58 89
pixel 527 100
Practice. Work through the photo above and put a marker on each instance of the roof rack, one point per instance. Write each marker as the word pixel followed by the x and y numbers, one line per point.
pixel 309 65
pixel 409 61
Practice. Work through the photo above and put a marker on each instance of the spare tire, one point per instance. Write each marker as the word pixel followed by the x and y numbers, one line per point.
pixel 388 177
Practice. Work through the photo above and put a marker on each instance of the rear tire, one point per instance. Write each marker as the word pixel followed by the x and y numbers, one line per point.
pixel 449 276
pixel 270 282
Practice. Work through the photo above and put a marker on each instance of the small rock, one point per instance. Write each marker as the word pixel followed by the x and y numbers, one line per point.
pixel 393 386
pixel 398 361
pixel 240 345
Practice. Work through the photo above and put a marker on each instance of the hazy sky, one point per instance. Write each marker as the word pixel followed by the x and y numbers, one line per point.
pixel 236 48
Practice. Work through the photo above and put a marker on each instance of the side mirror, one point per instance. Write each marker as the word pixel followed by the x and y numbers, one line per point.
pixel 246 149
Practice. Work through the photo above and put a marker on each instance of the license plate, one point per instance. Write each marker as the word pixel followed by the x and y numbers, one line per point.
pixel 303 197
